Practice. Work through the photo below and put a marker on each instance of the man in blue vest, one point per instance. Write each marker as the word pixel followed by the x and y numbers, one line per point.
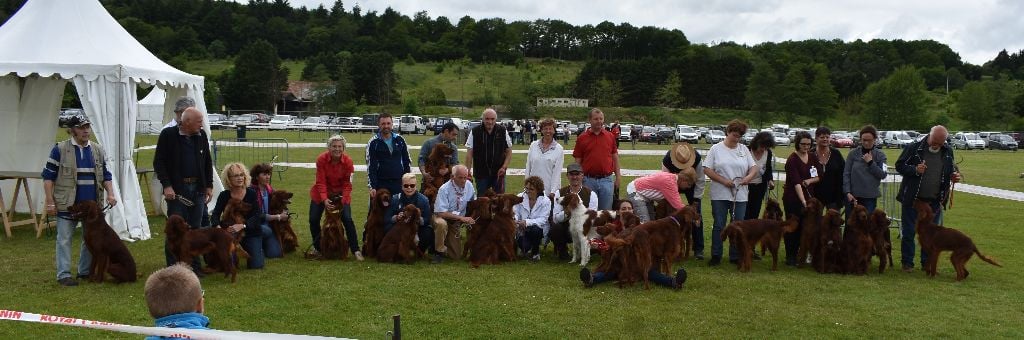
pixel 73 174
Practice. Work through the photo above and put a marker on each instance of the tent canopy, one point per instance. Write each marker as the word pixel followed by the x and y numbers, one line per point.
pixel 48 42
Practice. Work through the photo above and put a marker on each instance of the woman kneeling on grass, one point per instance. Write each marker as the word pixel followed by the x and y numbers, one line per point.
pixel 259 240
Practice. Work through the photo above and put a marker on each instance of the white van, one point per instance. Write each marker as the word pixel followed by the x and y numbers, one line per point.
pixel 412 125
pixel 896 139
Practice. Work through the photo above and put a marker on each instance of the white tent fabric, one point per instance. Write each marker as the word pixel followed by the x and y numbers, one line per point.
pixel 85 44
pixel 151 112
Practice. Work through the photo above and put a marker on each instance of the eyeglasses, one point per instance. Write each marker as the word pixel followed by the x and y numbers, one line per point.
pixel 410 186
pixel 805 144
pixel 236 175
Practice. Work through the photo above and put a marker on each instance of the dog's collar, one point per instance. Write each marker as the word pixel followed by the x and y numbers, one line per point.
pixel 675 220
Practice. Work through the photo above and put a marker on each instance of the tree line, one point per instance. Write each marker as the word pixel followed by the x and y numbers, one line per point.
pixel 352 53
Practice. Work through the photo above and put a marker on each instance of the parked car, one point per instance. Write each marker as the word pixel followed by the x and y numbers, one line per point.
pixel 896 139
pixel 702 131
pixel 666 134
pixel 625 133
pixel 441 121
pixel 648 134
pixel 748 137
pixel 218 121
pixel 967 141
pixel 687 134
pixel 312 124
pixel 714 136
pixel 370 119
pixel 781 139
pixel 280 122
pixel 839 140
pixel 1001 142
pixel 984 135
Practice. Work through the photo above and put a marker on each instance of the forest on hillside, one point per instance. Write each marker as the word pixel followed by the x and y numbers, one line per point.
pixel 354 51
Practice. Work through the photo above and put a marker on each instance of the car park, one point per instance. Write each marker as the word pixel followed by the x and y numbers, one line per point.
pixel 625 133
pixel 218 121
pixel 648 134
pixel 1001 142
pixel 666 134
pixel 896 139
pixel 312 124
pixel 840 140
pixel 714 136
pixel 280 122
pixel 412 124
pixel 747 137
pixel 687 134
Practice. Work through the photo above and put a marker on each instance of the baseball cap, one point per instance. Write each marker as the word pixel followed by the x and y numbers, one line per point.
pixel 574 167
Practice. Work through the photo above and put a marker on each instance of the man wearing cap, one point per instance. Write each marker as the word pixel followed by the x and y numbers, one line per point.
pixel 559 233
pixel 179 107
pixel 681 156
pixel 596 153
pixel 183 165
pixel 72 174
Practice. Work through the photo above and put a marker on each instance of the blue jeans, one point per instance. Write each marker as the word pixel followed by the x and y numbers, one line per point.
pixel 907 224
pixel 316 212
pixel 65 231
pixel 720 210
pixel 196 216
pixel 652 274
pixel 483 183
pixel 604 188
pixel 261 247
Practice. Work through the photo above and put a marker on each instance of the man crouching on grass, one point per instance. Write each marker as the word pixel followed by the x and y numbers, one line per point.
pixel 175 299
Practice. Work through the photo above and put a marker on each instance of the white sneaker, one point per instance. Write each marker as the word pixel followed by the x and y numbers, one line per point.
pixel 535 258
pixel 359 255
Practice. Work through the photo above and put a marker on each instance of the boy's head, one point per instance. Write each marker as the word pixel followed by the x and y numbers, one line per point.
pixel 173 290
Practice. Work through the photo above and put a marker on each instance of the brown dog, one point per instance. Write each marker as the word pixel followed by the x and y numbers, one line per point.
pixel 109 254
pixel 745 235
pixel 935 238
pixel 829 257
pixel 666 236
pixel 400 242
pixel 332 240
pixel 234 213
pixel 437 167
pixel 286 237
pixel 373 230
pixel 494 241
pixel 480 210
pixel 810 238
pixel 630 256
pixel 186 243
pixel 857 242
pixel 879 229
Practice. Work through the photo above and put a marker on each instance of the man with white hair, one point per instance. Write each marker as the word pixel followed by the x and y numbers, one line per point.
pixel 450 213
pixel 185 169
pixel 488 152
pixel 928 170
pixel 179 107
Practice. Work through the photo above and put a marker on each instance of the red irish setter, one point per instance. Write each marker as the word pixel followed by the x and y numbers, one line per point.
pixel 935 238
pixel 480 210
pixel 494 242
pixel 109 254
pixel 333 245
pixel 186 243
pixel 858 242
pixel 234 213
pixel 810 237
pixel 399 244
pixel 666 236
pixel 279 201
pixel 631 256
pixel 437 167
pixel 745 235
pixel 828 259
pixel 879 228
pixel 373 230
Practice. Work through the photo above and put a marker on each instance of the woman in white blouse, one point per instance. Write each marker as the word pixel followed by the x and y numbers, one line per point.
pixel 545 159
pixel 532 217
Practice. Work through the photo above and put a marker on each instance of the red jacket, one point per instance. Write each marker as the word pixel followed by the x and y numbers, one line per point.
pixel 332 178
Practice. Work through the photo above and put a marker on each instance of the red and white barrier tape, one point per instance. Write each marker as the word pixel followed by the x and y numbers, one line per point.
pixel 157 331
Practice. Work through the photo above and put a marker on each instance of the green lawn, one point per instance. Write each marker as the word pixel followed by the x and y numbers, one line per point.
pixel 545 300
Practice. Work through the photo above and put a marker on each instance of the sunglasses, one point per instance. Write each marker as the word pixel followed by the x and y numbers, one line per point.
pixel 409 186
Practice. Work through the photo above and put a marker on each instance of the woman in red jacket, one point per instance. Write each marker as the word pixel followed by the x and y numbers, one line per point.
pixel 333 176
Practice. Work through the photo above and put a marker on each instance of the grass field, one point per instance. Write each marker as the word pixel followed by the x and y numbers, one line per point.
pixel 545 299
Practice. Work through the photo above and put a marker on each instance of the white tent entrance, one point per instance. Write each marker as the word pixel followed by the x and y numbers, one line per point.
pixel 46 44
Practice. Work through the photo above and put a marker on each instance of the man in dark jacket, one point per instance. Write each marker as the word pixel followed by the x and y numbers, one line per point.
pixel 387 158
pixel 488 151
pixel 183 165
pixel 928 170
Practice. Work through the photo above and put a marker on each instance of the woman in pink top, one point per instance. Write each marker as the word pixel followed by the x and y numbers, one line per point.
pixel 659 186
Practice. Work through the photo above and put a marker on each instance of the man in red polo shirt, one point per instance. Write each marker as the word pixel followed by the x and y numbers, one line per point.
pixel 596 152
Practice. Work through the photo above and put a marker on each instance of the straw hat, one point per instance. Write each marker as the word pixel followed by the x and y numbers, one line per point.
pixel 682 155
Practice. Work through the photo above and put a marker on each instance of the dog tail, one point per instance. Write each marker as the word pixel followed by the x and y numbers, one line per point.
pixel 986 258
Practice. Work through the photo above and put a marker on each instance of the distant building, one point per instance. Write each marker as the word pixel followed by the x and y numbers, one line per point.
pixel 297 97
pixel 563 102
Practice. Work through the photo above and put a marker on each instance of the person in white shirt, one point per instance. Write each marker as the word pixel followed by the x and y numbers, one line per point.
pixel 545 159
pixel 531 217
pixel 450 214
pixel 730 167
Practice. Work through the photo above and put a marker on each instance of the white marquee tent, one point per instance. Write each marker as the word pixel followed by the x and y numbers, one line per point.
pixel 50 42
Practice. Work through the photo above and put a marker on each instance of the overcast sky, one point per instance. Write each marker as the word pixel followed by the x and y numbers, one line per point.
pixel 977 30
